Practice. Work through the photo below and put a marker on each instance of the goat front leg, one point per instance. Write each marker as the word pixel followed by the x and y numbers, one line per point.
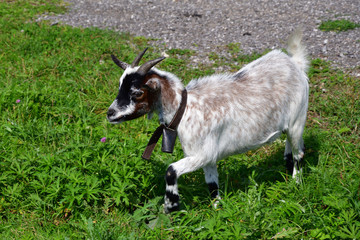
pixel 175 170
pixel 172 193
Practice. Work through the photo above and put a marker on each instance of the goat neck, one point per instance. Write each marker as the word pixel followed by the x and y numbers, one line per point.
pixel 170 96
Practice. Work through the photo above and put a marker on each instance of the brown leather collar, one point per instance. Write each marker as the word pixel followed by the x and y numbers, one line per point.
pixel 169 131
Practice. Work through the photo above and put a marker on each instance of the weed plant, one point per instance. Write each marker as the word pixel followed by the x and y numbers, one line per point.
pixel 65 173
pixel 338 25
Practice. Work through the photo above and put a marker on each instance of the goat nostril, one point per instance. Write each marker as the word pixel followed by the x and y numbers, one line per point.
pixel 111 112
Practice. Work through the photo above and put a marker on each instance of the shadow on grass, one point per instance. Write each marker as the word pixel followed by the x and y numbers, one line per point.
pixel 312 148
pixel 234 172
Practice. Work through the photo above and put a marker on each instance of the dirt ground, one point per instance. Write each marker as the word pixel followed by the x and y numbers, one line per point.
pixel 207 26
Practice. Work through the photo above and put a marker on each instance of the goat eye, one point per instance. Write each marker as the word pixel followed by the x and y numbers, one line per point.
pixel 137 94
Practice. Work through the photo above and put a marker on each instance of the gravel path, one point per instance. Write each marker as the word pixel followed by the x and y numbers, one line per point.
pixel 204 25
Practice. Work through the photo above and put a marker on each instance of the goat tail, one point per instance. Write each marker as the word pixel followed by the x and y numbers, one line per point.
pixel 297 50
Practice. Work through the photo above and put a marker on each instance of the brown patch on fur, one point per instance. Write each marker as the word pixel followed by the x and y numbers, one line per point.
pixel 153 92
pixel 167 92
pixel 140 110
pixel 143 104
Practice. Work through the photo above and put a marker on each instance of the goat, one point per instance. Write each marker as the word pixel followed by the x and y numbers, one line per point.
pixel 225 114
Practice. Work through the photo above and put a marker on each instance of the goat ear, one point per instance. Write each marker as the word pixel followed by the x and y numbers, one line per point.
pixel 153 84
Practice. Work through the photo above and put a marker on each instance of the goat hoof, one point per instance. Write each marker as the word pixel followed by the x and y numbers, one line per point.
pixel 169 208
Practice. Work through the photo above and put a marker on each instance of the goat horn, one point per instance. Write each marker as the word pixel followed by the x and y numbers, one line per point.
pixel 123 65
pixel 148 65
pixel 138 58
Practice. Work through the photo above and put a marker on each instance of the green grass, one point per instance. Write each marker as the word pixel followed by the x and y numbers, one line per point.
pixel 338 25
pixel 59 181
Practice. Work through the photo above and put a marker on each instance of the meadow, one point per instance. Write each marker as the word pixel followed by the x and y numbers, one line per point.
pixel 60 179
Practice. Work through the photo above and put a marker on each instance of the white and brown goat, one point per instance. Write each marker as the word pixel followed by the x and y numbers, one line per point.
pixel 225 114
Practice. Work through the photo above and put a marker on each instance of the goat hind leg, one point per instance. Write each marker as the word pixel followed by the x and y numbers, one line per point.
pixel 296 142
pixel 212 180
pixel 298 162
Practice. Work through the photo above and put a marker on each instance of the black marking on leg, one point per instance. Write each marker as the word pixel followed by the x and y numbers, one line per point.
pixel 289 163
pixel 213 189
pixel 173 197
pixel 170 176
pixel 173 209
pixel 299 163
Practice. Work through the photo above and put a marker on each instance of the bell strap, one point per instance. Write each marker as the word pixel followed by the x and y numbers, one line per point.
pixel 173 125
